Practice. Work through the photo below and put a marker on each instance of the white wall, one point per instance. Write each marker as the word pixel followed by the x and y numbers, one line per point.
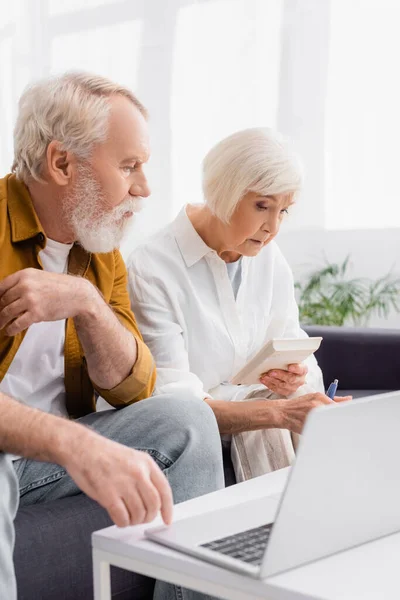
pixel 333 140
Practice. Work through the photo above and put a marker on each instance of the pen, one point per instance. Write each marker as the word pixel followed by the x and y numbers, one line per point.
pixel 331 391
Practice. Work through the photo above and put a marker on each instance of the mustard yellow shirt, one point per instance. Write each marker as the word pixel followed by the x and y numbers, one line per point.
pixel 21 239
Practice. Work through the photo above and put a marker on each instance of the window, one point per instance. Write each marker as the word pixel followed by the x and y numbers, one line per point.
pixel 325 73
pixel 225 77
pixel 90 51
pixel 7 101
pixel 363 115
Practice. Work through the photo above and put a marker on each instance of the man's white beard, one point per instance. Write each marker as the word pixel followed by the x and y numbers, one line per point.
pixel 97 231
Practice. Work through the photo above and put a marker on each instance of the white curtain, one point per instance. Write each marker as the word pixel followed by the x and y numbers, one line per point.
pixel 363 115
pixel 325 73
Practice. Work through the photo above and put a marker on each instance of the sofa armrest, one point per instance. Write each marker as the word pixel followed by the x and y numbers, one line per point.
pixel 361 358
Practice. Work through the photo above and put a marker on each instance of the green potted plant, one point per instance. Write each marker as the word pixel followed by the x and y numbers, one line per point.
pixel 328 296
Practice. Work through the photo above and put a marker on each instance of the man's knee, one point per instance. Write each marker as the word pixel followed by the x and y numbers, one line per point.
pixel 174 421
pixel 191 422
pixel 187 409
pixel 180 432
pixel 173 412
pixel 170 425
pixel 201 446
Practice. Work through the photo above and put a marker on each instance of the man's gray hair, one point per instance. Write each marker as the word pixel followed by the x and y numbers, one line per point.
pixel 253 160
pixel 72 109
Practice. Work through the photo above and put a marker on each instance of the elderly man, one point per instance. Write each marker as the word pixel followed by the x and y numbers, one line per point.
pixel 67 334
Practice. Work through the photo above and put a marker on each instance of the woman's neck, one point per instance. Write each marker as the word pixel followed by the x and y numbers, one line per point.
pixel 211 231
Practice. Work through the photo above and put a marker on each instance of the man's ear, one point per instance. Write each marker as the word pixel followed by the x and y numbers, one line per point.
pixel 60 164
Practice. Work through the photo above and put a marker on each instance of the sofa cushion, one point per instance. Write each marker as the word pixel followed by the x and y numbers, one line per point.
pixel 53 555
pixel 361 358
pixel 361 393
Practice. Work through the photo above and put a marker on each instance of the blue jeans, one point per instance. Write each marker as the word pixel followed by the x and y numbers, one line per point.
pixel 181 435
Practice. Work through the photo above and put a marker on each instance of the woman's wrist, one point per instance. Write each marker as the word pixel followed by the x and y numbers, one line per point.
pixel 274 414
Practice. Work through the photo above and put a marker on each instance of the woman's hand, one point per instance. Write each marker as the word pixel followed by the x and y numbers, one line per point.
pixel 292 414
pixel 287 382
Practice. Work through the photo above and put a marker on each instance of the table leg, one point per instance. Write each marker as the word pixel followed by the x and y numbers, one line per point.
pixel 101 576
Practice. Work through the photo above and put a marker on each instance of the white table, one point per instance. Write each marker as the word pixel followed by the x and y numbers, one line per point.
pixel 368 572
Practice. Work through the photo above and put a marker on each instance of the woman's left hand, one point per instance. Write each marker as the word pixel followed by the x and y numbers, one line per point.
pixel 287 382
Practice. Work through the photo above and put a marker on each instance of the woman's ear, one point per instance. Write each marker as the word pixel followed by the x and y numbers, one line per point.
pixel 60 164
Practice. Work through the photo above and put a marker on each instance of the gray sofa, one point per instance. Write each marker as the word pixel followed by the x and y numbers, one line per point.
pixel 53 547
pixel 366 361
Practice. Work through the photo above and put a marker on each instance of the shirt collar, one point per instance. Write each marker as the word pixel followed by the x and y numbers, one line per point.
pixel 25 224
pixel 23 218
pixel 192 246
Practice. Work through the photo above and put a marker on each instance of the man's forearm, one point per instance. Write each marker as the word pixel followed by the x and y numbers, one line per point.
pixel 110 349
pixel 236 417
pixel 35 434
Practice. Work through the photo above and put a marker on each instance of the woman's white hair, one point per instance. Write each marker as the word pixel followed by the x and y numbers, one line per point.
pixel 72 109
pixel 253 160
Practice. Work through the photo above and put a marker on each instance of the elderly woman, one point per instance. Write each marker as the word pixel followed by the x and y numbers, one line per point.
pixel 212 288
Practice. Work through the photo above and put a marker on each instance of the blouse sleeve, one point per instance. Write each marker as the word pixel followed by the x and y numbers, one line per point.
pixel 159 326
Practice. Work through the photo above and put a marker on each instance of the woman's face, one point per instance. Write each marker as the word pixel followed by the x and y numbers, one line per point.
pixel 255 222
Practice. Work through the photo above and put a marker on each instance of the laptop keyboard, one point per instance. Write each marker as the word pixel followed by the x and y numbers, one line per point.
pixel 248 546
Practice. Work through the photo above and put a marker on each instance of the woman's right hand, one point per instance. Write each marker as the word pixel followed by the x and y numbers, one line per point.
pixel 292 414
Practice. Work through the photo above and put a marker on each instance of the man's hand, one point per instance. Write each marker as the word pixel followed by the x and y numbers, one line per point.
pixel 292 414
pixel 284 382
pixel 33 296
pixel 126 482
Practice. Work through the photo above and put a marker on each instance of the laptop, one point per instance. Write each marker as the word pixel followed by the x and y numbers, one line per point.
pixel 342 491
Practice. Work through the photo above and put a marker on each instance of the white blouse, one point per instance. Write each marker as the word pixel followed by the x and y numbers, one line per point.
pixel 198 332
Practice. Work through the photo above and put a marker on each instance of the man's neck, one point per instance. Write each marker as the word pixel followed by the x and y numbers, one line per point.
pixel 47 202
